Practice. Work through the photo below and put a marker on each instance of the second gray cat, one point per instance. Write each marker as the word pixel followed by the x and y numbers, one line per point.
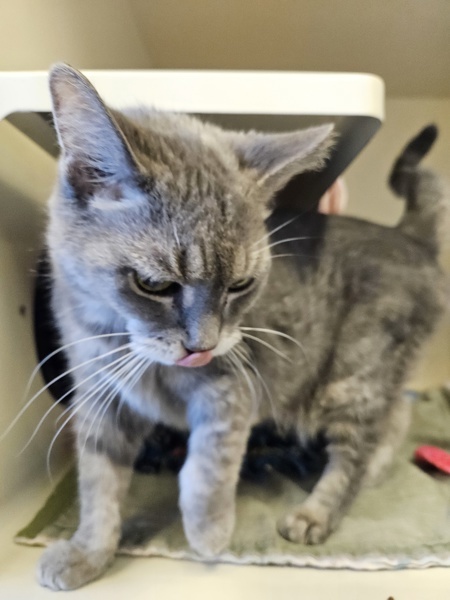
pixel 182 301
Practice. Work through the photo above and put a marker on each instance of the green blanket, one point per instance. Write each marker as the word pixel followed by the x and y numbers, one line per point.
pixel 404 523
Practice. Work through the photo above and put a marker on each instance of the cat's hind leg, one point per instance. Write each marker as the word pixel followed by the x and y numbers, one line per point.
pixel 394 429
pixel 359 412
pixel 352 434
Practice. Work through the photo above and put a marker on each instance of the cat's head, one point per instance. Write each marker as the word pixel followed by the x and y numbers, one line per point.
pixel 158 219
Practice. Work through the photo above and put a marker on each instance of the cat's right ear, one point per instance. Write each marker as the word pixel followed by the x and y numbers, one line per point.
pixel 94 151
pixel 275 158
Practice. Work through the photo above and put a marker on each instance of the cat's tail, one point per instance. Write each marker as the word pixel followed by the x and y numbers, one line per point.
pixel 422 189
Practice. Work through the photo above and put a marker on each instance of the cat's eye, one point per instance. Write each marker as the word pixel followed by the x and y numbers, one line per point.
pixel 157 288
pixel 241 284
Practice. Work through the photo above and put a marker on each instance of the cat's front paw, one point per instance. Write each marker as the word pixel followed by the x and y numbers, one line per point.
pixel 209 536
pixel 63 566
pixel 305 526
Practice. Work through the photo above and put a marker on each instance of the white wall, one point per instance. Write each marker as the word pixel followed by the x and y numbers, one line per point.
pixel 90 34
pixel 367 176
pixel 26 179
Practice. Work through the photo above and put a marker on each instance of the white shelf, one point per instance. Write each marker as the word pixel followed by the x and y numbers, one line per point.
pixel 266 100
pixel 209 92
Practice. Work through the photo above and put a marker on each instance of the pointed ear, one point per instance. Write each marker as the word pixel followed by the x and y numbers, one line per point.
pixel 94 150
pixel 277 158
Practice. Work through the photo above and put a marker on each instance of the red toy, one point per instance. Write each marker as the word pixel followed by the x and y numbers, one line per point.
pixel 434 456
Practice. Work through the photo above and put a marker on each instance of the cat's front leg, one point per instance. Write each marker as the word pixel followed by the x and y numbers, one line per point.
pixel 220 428
pixel 103 480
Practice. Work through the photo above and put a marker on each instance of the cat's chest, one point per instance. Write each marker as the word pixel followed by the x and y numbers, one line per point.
pixel 154 400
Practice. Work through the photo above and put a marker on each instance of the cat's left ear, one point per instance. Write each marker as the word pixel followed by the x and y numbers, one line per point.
pixel 95 153
pixel 275 158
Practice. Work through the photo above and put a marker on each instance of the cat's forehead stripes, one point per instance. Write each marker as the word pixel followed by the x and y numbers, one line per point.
pixel 229 260
pixel 205 260
pixel 169 257
pixel 241 263
pixel 197 261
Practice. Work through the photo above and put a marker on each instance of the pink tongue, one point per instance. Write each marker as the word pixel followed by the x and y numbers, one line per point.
pixel 196 359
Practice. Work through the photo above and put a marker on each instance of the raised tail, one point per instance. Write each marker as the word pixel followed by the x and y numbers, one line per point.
pixel 421 188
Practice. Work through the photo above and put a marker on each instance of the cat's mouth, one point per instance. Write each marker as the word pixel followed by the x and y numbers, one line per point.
pixel 172 353
pixel 175 353
pixel 196 359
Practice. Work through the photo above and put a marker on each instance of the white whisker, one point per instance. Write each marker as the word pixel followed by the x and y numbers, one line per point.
pixel 298 255
pixel 276 332
pixel 105 380
pixel 77 408
pixel 133 367
pixel 98 388
pixel 261 379
pixel 60 349
pixel 54 380
pixel 272 231
pixel 143 366
pixel 228 357
pixel 100 402
pixel 293 239
pixel 250 384
pixel 264 343
pixel 72 389
pixel 242 369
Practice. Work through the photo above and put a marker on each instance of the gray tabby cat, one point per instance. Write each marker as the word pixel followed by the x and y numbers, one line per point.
pixel 193 314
